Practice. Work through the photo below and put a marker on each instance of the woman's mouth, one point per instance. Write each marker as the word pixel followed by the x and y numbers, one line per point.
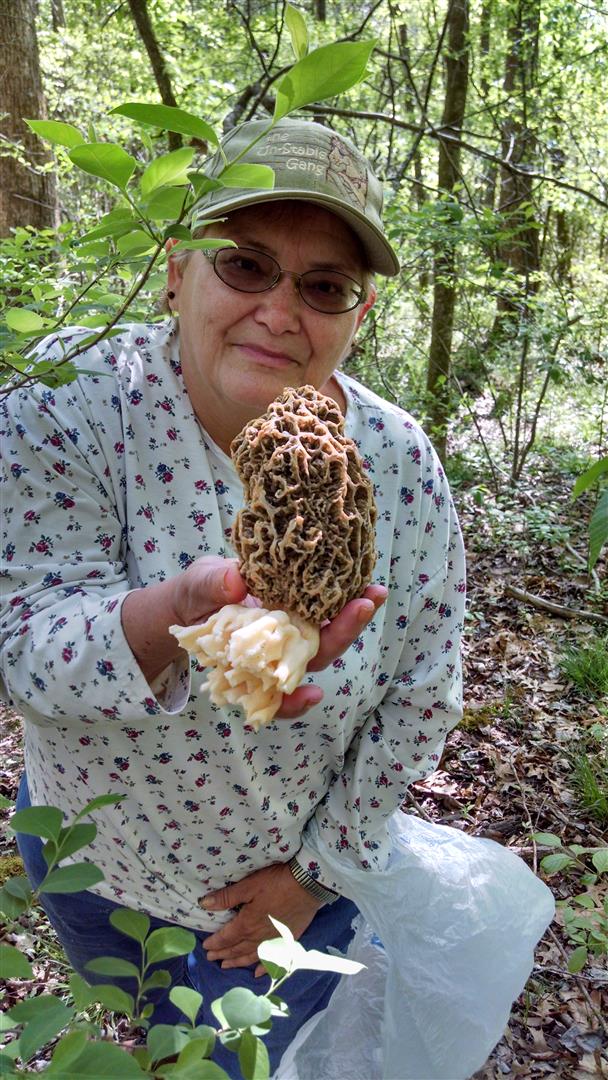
pixel 266 357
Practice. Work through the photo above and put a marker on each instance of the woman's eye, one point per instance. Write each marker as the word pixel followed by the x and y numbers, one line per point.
pixel 329 287
pixel 246 264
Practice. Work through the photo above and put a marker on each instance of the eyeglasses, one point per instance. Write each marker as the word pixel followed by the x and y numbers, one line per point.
pixel 251 271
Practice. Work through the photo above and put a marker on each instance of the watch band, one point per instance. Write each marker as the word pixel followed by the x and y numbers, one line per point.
pixel 303 878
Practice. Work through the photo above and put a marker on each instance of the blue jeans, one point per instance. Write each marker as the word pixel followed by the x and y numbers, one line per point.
pixel 81 922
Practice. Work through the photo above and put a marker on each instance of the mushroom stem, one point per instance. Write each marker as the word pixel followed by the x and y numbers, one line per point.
pixel 255 656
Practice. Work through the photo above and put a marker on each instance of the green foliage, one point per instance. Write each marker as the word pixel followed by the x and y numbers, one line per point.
pixel 598 526
pixel 586 665
pixel 244 1017
pixel 130 239
pixel 585 915
pixel 590 780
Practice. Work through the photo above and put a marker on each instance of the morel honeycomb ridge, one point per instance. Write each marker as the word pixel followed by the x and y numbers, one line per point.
pixel 305 537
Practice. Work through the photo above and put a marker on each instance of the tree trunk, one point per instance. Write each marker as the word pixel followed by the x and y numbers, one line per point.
pixel 522 253
pixel 444 265
pixel 141 18
pixel 491 169
pixel 27 197
pixel 57 14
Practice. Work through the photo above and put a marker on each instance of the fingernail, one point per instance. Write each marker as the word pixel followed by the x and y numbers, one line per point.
pixel 207 902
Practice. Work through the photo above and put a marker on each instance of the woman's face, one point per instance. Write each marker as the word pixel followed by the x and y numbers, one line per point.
pixel 240 350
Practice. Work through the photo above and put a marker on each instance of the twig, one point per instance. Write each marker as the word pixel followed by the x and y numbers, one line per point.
pixel 603 1023
pixel 554 609
pixel 417 807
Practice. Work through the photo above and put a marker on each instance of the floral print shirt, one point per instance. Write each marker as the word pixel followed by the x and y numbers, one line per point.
pixel 111 484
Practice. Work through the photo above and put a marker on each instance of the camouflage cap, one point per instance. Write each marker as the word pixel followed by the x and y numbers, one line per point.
pixel 311 163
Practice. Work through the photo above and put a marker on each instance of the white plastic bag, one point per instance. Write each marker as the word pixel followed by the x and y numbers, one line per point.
pixel 458 918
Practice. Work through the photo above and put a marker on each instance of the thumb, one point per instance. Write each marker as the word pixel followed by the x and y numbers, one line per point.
pixel 209 584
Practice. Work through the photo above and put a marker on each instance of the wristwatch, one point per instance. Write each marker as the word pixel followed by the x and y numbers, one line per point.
pixel 303 878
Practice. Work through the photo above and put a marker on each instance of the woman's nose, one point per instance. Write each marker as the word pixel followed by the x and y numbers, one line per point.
pixel 279 308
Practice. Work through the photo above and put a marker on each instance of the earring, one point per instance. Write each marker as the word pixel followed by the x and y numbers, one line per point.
pixel 171 294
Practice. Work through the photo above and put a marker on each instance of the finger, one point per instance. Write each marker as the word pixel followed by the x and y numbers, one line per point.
pixel 340 633
pixel 231 896
pixel 242 961
pixel 298 703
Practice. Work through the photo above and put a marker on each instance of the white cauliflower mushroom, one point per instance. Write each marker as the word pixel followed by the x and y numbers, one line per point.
pixel 305 540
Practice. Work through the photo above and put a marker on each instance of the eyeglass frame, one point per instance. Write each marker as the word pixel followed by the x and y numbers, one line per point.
pixel 212 253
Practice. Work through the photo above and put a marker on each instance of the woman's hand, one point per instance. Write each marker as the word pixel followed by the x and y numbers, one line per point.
pixel 336 637
pixel 270 891
pixel 189 598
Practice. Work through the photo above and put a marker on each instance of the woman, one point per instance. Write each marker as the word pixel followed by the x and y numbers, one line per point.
pixel 122 497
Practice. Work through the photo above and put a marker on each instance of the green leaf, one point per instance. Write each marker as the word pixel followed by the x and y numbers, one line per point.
pixel 5 803
pixel 202 184
pixel 43 1028
pixel 38 821
pixel 168 118
pixel 253 1058
pixel 10 906
pixel 81 992
pixel 167 942
pixel 31 1007
pixel 179 232
pixel 116 223
pixel 7 1066
pixel 101 1061
pixel 100 800
pixel 600 860
pixel 598 529
pixel 135 243
pixel 165 1040
pixel 112 965
pixel 13 964
pixel 248 176
pixel 170 169
pixel 72 878
pixel 298 31
pixel 133 924
pixel 188 1000
pixel 209 243
pixel 70 840
pixel 113 998
pixel 57 132
pixel 25 322
pixel 192 1065
pixel 157 978
pixel 322 74
pixel 67 1050
pixel 19 887
pixel 242 1007
pixel 106 160
pixel 549 839
pixel 585 900
pixel 577 959
pixel 165 203
pixel 590 477
pixel 552 864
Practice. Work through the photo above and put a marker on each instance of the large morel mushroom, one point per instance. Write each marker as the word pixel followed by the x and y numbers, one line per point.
pixel 305 539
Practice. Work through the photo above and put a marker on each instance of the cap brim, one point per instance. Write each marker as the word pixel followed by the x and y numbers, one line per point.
pixel 381 257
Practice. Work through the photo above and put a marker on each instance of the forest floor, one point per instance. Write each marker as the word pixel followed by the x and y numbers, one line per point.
pixel 509 769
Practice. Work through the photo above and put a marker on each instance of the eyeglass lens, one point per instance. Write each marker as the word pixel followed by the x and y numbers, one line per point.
pixel 248 270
